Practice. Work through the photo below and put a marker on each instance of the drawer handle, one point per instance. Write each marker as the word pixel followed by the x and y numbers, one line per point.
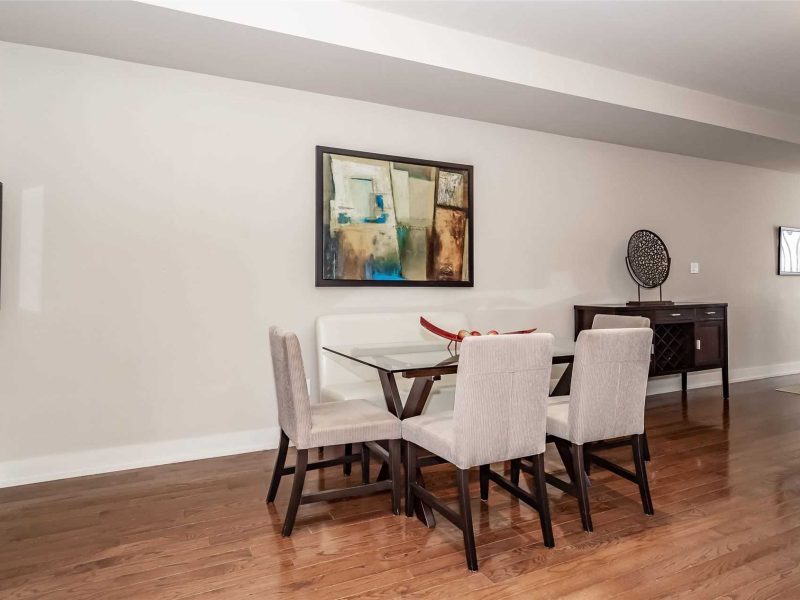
pixel 698 345
pixel 711 312
pixel 675 315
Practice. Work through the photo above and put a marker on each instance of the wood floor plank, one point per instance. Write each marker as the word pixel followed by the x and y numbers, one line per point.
pixel 725 484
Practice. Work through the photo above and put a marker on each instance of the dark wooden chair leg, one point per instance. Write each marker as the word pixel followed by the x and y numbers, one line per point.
pixel 566 458
pixel 297 491
pixel 646 447
pixel 396 472
pixel 364 464
pixel 539 489
pixel 587 464
pixel 641 474
pixel 411 477
pixel 462 477
pixel 484 471
pixel 277 472
pixel 581 486
pixel 348 467
pixel 516 466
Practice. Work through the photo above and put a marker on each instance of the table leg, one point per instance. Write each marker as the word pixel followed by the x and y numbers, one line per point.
pixel 563 386
pixel 394 405
pixel 417 397
pixel 390 393
pixel 415 403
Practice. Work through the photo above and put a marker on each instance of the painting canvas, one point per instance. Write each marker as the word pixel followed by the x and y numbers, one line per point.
pixel 789 251
pixel 388 220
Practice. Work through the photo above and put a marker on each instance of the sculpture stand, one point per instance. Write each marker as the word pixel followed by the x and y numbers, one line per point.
pixel 640 302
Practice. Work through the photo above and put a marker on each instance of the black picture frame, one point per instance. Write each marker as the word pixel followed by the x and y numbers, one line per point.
pixel 320 281
pixel 781 269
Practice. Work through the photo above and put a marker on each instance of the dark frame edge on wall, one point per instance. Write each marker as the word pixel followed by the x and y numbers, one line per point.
pixel 780 237
pixel 319 281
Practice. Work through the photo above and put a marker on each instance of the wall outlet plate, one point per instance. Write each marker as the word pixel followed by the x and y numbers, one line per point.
pixel 694 267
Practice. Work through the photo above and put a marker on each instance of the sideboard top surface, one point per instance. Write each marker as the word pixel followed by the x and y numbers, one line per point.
pixel 653 306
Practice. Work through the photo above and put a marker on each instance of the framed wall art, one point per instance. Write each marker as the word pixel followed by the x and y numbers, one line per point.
pixel 392 221
pixel 789 251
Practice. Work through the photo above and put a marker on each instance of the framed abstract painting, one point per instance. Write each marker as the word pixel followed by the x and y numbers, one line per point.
pixel 392 221
pixel 788 251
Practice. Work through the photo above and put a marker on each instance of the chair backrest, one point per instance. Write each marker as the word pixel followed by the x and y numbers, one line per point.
pixel 609 383
pixel 500 408
pixel 373 328
pixel 619 322
pixel 294 405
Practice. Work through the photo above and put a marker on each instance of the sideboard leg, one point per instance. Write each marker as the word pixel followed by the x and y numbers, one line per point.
pixel 725 383
pixel 684 381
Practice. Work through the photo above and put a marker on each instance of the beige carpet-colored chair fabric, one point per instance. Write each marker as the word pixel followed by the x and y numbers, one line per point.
pixel 609 384
pixel 619 322
pixel 294 407
pixel 351 421
pixel 500 403
pixel 434 432
pixel 327 424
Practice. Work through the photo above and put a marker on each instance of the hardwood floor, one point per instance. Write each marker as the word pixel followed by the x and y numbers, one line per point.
pixel 725 485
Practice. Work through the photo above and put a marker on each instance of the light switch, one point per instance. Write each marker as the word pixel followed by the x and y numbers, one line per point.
pixel 694 267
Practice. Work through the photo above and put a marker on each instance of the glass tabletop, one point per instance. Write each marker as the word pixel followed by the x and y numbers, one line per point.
pixel 412 356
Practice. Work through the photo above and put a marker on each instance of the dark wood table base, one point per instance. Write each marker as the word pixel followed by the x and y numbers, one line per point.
pixel 415 403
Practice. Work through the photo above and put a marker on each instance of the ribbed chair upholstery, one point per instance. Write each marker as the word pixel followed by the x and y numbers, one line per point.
pixel 320 425
pixel 499 414
pixel 609 384
pixel 619 322
pixel 602 322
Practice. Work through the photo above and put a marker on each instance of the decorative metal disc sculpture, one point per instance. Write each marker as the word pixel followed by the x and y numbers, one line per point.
pixel 648 263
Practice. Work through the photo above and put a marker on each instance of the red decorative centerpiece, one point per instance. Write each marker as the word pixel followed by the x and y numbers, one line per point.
pixel 463 333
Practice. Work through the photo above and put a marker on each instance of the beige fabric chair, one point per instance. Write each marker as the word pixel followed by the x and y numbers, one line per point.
pixel 601 322
pixel 333 423
pixel 619 322
pixel 499 414
pixel 609 384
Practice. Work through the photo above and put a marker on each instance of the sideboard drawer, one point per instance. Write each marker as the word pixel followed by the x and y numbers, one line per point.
pixel 670 315
pixel 710 314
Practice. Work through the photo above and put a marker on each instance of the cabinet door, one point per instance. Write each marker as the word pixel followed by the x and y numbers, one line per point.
pixel 708 343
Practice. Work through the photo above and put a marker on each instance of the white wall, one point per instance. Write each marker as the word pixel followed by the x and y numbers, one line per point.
pixel 156 222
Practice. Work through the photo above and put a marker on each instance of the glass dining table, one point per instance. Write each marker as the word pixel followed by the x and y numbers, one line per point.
pixel 426 363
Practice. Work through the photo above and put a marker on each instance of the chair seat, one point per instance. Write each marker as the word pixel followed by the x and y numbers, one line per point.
pixel 435 433
pixel 558 417
pixel 351 421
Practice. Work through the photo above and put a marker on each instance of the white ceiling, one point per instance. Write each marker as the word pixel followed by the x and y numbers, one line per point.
pixel 745 51
pixel 346 50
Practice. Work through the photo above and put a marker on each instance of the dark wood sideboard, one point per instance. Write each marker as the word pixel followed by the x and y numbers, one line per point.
pixel 687 336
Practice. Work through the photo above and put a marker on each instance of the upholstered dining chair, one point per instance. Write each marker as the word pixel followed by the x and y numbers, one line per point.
pixel 621 322
pixel 499 414
pixel 327 424
pixel 609 384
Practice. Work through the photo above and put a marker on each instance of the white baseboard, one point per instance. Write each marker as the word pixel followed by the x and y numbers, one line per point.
pixel 672 383
pixel 120 458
